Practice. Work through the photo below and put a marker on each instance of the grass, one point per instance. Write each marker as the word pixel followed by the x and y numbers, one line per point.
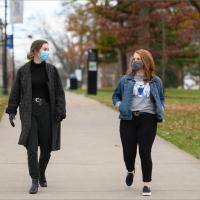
pixel 182 119
pixel 3 103
pixel 180 96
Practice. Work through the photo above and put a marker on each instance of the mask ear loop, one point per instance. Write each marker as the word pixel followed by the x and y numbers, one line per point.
pixel 132 61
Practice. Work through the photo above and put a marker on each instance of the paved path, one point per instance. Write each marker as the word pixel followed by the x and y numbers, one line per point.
pixel 90 165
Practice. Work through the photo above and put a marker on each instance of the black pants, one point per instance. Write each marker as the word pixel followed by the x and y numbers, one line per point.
pixel 40 135
pixel 140 130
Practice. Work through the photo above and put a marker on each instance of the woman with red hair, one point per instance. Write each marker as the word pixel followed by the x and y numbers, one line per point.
pixel 139 97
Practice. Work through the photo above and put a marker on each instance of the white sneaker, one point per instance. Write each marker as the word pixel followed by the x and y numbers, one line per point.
pixel 146 191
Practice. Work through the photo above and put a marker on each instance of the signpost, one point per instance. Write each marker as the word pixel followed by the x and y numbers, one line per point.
pixel 10 41
pixel 16 16
pixel 92 71
pixel 16 11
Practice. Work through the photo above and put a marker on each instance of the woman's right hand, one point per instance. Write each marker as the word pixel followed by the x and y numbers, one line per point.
pixel 118 104
pixel 11 118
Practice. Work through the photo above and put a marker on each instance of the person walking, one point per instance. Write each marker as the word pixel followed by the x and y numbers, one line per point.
pixel 38 92
pixel 139 97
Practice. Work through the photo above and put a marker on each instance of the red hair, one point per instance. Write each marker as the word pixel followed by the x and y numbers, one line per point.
pixel 147 61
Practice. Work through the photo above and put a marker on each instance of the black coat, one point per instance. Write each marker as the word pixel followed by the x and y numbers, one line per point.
pixel 21 95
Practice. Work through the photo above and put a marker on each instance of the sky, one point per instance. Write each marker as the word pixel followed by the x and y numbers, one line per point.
pixel 46 10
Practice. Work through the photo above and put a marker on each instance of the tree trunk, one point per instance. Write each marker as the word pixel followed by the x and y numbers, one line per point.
pixel 123 60
pixel 144 11
pixel 164 56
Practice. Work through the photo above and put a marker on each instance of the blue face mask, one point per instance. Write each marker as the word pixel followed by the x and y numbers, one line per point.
pixel 44 55
pixel 137 65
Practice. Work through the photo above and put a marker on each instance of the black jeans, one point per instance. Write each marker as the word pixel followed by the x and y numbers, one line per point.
pixel 40 135
pixel 141 131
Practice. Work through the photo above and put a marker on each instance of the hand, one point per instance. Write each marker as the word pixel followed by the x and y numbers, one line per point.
pixel 59 118
pixel 118 104
pixel 11 118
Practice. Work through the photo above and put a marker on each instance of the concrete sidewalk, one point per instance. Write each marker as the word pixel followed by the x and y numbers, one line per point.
pixel 90 165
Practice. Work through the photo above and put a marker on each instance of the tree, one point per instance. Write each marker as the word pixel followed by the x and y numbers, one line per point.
pixel 126 25
pixel 196 4
pixel 163 24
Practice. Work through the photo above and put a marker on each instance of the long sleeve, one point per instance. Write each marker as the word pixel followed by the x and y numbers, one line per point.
pixel 161 92
pixel 14 98
pixel 59 96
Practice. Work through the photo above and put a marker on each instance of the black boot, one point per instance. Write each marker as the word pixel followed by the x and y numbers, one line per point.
pixel 43 181
pixel 34 187
pixel 43 162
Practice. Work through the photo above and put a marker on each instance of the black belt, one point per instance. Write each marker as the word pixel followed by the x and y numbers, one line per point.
pixel 137 113
pixel 39 101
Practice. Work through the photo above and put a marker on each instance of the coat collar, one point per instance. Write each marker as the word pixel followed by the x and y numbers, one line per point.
pixel 130 76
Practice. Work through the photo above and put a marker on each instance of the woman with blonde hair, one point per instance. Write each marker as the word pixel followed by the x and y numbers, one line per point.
pixel 140 100
pixel 38 92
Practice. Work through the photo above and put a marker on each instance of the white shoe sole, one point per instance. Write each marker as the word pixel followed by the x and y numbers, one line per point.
pixel 146 194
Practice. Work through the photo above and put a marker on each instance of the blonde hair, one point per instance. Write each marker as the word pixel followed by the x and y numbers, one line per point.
pixel 36 45
pixel 147 61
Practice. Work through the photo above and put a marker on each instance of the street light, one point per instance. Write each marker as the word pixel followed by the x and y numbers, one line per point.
pixel 1 35
pixel 1 46
pixel 30 36
pixel 5 78
pixel 1 29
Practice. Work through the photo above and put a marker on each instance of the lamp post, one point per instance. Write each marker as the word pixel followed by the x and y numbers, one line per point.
pixel 1 48
pixel 1 31
pixel 11 46
pixel 5 77
pixel 1 35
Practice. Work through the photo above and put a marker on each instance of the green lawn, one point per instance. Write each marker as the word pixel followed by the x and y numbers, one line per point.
pixel 3 103
pixel 182 118
pixel 182 96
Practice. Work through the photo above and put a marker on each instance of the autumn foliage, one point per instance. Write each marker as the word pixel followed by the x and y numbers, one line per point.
pixel 170 29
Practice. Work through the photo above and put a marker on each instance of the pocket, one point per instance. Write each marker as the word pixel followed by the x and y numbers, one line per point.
pixel 21 115
pixel 122 107
pixel 21 107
